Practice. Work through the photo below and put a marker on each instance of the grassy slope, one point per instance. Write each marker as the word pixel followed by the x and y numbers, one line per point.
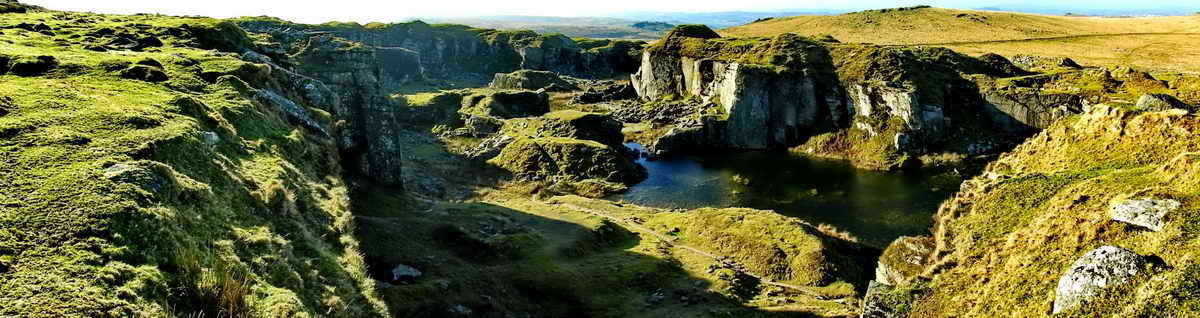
pixel 257 224
pixel 1145 42
pixel 1011 233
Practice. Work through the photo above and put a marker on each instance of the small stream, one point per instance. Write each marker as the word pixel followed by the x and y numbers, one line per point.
pixel 877 207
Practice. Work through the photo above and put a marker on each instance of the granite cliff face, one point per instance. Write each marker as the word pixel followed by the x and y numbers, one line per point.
pixel 880 107
pixel 781 92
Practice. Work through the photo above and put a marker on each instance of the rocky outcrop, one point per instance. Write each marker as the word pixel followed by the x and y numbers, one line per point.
pixel 294 112
pixel 763 108
pixel 1104 267
pixel 364 65
pixel 780 92
pixel 138 175
pixel 1145 212
pixel 532 80
pixel 418 50
pixel 1026 110
pixel 1161 102
pixel 873 305
pixel 368 122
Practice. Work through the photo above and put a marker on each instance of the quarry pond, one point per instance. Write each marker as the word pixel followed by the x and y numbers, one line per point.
pixel 876 207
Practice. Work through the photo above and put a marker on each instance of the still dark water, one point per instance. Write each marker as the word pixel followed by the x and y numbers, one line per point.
pixel 876 207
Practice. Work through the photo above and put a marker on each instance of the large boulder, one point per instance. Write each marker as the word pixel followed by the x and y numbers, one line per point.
pixel 294 112
pixel 541 158
pixel 1145 212
pixel 1161 102
pixel 1021 110
pixel 405 274
pixel 1097 270
pixel 138 175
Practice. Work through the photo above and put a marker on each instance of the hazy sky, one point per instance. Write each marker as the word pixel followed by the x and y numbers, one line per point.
pixel 396 10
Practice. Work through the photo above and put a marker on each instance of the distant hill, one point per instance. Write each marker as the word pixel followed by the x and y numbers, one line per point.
pixel 653 26
pixel 715 20
pixel 589 27
pixel 636 25
pixel 1148 42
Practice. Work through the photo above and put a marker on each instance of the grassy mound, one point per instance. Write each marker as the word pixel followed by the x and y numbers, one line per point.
pixel 779 248
pixel 573 158
pixel 569 124
pixel 1003 242
pixel 165 193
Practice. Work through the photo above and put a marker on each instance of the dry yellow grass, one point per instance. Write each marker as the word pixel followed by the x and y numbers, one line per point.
pixel 1155 43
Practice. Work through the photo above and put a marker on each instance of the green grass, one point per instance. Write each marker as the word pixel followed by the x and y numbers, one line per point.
pixel 1140 41
pixel 255 225
pixel 1004 241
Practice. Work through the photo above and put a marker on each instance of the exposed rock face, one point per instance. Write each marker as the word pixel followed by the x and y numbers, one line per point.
pixel 1145 212
pixel 873 306
pixel 1161 102
pixel 903 260
pixel 370 123
pixel 1041 63
pixel 490 148
pixel 366 64
pixel 1030 111
pixel 783 92
pixel 294 112
pixel 531 80
pixel 1099 269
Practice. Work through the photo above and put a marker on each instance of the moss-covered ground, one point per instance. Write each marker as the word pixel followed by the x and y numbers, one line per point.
pixel 255 222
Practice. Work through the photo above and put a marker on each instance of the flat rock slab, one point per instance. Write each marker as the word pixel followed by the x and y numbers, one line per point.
pixel 1146 212
pixel 405 274
pixel 1099 269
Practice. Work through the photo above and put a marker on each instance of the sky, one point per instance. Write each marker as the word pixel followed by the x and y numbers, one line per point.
pixel 307 11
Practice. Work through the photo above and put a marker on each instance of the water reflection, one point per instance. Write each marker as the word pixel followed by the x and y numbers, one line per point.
pixel 875 206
